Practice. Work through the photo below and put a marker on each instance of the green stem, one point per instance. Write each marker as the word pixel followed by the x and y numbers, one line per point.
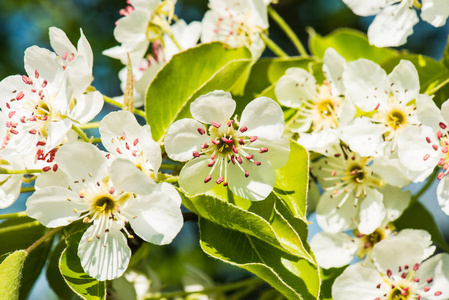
pixel 288 31
pixel 172 37
pixel 90 125
pixel 96 140
pixel 167 167
pixel 81 134
pixel 435 89
pixel 172 179
pixel 222 288
pixel 118 104
pixel 426 186
pixel 28 189
pixel 42 239
pixel 20 226
pixel 272 45
pixel 26 171
pixel 19 214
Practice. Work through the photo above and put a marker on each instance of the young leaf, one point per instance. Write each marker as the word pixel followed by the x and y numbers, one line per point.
pixel 11 274
pixel 54 276
pixel 188 75
pixel 72 271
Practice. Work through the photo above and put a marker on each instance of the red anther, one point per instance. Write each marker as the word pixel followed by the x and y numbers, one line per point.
pixel 216 30
pixel 426 289
pixel 444 149
pixel 263 150
pixel 64 56
pixel 377 106
pixel 32 131
pixel 403 275
pixel 419 297
pixel 252 138
pixel 389 273
pixel 225 184
pixel 216 124
pixel 40 143
pixel 13 131
pixel 442 125
pixel 367 245
pixel 44 83
pixel 438 293
pixel 428 140
pixel 123 135
pixel 55 167
pixel 440 175
pixel 378 286
pixel 207 179
pixel 44 118
pixel 33 118
pixel 243 129
pixel 11 113
pixel 33 90
pixel 195 154
pixel 241 142
pixel 135 142
pixel 415 267
pixel 118 150
pixel 127 146
pixel 72 55
pixel 204 146
pixel 27 79
pixel 229 123
pixel 435 147
pixel 404 292
pixel 234 149
pixel 36 74
pixel 212 156
pixel 220 180
pixel 215 142
pixel 233 159
pixel 135 153
pixel 441 162
pixel 239 159
pixel 416 279
pixel 246 173
pixel 334 173
pixel 429 280
pixel 46 169
pixel 337 154
pixel 22 119
pixel 257 163
pixel 211 163
pixel 439 135
pixel 226 140
pixel 360 235
pixel 249 157
pixel 20 96
pixel 8 106
pixel 111 190
pixel 201 131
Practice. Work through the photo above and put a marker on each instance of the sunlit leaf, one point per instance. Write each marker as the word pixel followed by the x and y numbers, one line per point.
pixel 11 274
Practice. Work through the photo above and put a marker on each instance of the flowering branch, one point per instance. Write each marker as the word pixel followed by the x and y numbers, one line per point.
pixel 272 45
pixel 42 239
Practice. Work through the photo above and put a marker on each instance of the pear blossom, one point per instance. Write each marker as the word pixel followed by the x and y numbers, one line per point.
pixel 236 23
pixel 354 191
pixel 241 154
pixel 395 19
pixel 87 186
pixel 397 272
pixel 392 103
pixel 320 107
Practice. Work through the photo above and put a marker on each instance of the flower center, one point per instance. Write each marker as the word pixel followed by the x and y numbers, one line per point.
pixel 325 108
pixel 396 119
pixel 104 204
pixel 399 293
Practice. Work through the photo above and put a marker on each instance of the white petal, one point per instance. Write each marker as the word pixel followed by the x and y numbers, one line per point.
pixel 183 138
pixel 320 142
pixel 435 12
pixel 365 7
pixel 365 83
pixel 333 250
pixel 60 42
pixel 51 206
pixel 56 133
pixel 427 112
pixel 445 110
pixel 131 29
pixel 191 178
pixel 333 67
pixel 101 258
pixel 364 137
pixel 214 106
pixel 126 177
pixel 295 87
pixel 46 63
pixel 395 201
pixel 85 50
pixel 357 282
pixel 157 218
pixel 58 178
pixel 9 189
pixel 278 151
pixel 404 81
pixel 393 25
pixel 333 219
pixel 437 268
pixel 391 171
pixel 170 190
pixel 264 118
pixel 420 237
pixel 87 107
pixel 372 212
pixel 443 194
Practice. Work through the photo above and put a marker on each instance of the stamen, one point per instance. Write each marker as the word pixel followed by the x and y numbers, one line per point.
pixel 201 131
pixel 207 179
pixel 263 150
pixel 196 154
pixel 216 124
pixel 243 129
pixel 442 125
pixel 252 138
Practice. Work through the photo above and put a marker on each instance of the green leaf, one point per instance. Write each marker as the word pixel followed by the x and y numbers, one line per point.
pixel 349 43
pixel 72 271
pixel 292 181
pixel 54 276
pixel 186 76
pixel 431 74
pixel 418 217
pixel 11 274
pixel 328 277
pixel 445 58
pixel 294 277
pixel 21 233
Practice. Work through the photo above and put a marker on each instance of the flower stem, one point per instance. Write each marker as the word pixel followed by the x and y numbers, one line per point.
pixel 26 171
pixel 288 31
pixel 81 134
pixel 272 45
pixel 172 37
pixel 90 125
pixel 42 239
pixel 425 187
pixel 118 104
pixel 19 214
pixel 96 140
pixel 254 282
pixel 28 189
pixel 435 89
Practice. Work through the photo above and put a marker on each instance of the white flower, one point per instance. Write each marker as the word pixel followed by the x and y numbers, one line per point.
pixel 240 154
pixel 397 272
pixel 85 187
pixel 319 106
pixel 356 191
pixel 393 103
pixel 395 18
pixel 237 23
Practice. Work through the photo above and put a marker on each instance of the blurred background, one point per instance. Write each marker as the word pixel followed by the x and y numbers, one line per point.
pixel 24 23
